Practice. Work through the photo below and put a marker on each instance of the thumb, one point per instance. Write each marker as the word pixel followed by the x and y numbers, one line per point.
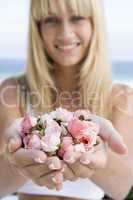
pixel 110 135
pixel 12 136
pixel 14 143
pixel 113 138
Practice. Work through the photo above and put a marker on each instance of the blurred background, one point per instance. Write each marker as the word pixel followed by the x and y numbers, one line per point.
pixel 14 28
pixel 13 39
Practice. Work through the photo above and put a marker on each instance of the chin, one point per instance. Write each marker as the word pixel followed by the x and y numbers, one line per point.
pixel 69 63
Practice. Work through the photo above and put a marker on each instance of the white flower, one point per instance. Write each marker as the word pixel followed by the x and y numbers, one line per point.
pixel 51 140
pixel 46 117
pixel 50 143
pixel 61 114
pixel 53 128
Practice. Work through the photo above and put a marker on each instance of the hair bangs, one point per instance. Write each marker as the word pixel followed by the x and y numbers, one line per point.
pixel 81 7
pixel 42 8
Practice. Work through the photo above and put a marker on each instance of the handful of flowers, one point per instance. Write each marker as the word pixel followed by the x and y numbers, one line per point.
pixel 68 135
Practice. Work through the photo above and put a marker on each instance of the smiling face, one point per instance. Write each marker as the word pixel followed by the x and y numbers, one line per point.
pixel 66 36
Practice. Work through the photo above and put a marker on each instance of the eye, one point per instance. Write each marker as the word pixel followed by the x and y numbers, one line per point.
pixel 51 20
pixel 77 18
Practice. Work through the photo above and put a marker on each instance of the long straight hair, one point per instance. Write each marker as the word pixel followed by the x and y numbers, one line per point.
pixel 94 78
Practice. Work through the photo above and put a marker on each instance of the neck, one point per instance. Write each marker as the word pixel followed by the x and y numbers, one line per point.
pixel 66 78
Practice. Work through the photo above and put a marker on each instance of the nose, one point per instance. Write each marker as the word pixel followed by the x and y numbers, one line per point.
pixel 66 33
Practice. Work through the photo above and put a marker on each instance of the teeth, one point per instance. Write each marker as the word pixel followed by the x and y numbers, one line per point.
pixel 67 47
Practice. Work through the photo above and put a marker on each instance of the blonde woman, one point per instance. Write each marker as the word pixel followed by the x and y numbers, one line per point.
pixel 67 66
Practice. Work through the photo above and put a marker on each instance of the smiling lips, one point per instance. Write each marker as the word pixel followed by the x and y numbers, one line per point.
pixel 67 48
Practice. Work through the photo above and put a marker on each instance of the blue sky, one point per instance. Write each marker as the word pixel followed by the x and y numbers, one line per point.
pixel 14 26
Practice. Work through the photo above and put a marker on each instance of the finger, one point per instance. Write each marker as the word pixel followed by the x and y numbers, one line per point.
pixel 45 181
pixel 81 170
pixel 35 171
pixel 113 138
pixel 58 180
pixel 68 173
pixel 14 143
pixel 12 136
pixel 110 135
pixel 26 157
pixel 54 163
pixel 51 181
pixel 98 158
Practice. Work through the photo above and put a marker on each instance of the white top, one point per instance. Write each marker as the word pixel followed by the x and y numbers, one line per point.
pixel 82 188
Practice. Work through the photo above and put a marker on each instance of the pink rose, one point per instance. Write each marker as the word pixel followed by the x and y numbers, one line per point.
pixel 86 140
pixel 73 153
pixel 66 142
pixel 76 127
pixel 27 123
pixel 32 142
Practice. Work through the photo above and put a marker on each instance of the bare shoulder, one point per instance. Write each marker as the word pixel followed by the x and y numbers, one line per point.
pixel 121 88
pixel 122 111
pixel 9 99
pixel 8 91
pixel 122 99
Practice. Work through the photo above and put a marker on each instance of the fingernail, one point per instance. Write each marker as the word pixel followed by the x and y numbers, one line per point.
pixel 85 161
pixel 125 149
pixel 10 145
pixel 39 160
pixel 54 180
pixel 58 187
pixel 54 164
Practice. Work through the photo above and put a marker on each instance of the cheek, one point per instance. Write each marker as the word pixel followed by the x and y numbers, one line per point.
pixel 47 41
pixel 47 37
pixel 86 34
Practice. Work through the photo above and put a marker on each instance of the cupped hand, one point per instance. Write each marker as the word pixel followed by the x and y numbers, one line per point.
pixel 90 161
pixel 35 164
pixel 110 135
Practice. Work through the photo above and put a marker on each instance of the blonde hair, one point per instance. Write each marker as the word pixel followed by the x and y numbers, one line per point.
pixel 95 75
